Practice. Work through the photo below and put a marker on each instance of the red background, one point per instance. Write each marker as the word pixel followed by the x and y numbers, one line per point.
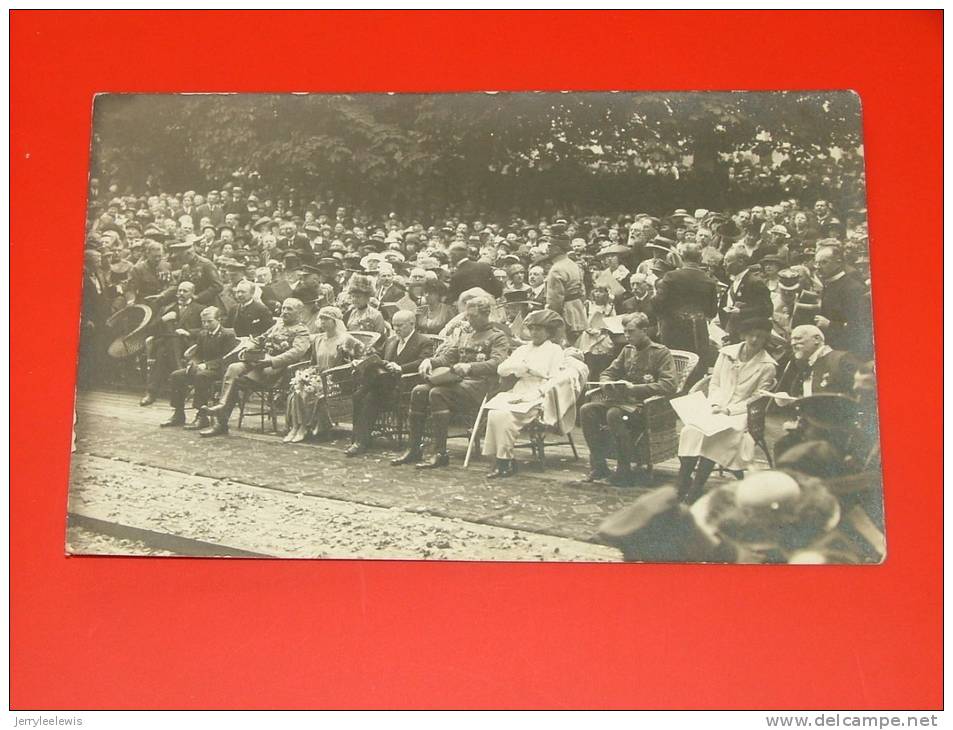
pixel 152 633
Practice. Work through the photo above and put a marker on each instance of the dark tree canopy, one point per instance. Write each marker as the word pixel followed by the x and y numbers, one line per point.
pixel 634 151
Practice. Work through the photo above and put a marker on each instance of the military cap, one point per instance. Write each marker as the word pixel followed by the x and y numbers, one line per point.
pixel 263 221
pixel 180 246
pixel 772 259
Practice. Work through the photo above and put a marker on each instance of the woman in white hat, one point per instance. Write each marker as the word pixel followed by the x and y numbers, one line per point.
pixel 534 365
pixel 307 411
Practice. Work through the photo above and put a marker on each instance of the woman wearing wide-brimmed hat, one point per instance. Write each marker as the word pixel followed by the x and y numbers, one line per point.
pixel 534 366
pixel 363 317
pixel 307 412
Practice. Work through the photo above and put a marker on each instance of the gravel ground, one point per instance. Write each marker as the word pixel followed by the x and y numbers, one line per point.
pixel 275 523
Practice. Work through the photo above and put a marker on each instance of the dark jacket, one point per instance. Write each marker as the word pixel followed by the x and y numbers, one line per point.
pixel 211 349
pixel 417 349
pixel 844 302
pixel 831 373
pixel 251 319
pixel 686 299
pixel 470 274
pixel 750 296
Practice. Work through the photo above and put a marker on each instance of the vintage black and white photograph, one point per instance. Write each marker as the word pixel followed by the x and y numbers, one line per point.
pixel 615 326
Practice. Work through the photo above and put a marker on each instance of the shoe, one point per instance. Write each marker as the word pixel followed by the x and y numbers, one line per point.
pixel 290 435
pixel 219 429
pixel 622 479
pixel 411 456
pixel 441 458
pixel 177 419
pixel 147 400
pixel 598 474
pixel 321 437
pixel 198 424
pixel 355 450
pixel 298 436
pixel 213 411
pixel 504 468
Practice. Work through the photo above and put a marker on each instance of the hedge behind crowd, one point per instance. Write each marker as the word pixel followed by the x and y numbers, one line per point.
pixel 491 152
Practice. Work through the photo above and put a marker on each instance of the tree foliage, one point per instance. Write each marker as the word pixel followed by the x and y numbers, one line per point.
pixel 494 151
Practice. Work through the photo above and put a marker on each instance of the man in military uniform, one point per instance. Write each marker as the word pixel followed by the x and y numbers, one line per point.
pixel 473 361
pixel 204 369
pixel 565 290
pixel 284 344
pixel 150 277
pixel 198 270
pixel 647 370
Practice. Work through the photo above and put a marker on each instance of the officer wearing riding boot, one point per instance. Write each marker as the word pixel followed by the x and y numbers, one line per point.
pixel 268 355
pixel 643 369
pixel 461 375
pixel 205 368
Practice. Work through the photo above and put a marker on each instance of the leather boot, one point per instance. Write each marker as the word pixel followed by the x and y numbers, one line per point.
pixel 201 421
pixel 702 472
pixel 415 439
pixel 439 426
pixel 177 419
pixel 219 428
pixel 685 468
pixel 223 409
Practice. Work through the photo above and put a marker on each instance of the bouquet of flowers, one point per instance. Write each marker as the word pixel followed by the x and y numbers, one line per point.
pixel 307 382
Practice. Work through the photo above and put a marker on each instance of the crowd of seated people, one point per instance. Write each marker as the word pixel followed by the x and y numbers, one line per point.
pixel 574 319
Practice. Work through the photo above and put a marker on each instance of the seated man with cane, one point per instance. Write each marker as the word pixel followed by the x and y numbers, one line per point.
pixel 265 359
pixel 460 376
pixel 643 369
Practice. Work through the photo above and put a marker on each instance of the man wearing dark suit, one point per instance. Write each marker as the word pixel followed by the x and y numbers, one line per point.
pixel 97 307
pixel 249 318
pixel 216 211
pixel 200 211
pixel 203 371
pixel 747 296
pixel 177 326
pixel 469 274
pixel 815 367
pixel 380 378
pixel 845 310
pixel 687 298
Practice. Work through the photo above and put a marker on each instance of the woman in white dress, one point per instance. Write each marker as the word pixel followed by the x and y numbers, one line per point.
pixel 535 365
pixel 741 372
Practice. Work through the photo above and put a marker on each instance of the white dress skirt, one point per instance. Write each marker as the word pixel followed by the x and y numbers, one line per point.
pixel 503 427
pixel 733 385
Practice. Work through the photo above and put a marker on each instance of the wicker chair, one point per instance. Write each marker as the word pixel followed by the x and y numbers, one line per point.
pixel 658 438
pixel 270 398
